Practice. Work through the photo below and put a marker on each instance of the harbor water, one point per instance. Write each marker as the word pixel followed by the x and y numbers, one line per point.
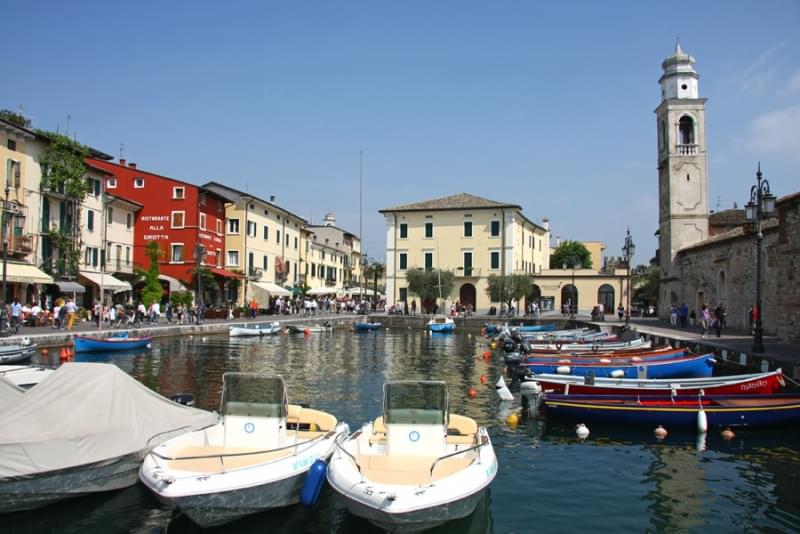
pixel 618 480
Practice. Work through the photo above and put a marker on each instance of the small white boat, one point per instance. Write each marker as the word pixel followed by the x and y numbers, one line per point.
pixel 25 376
pixel 309 328
pixel 416 466
pixel 17 352
pixel 256 330
pixel 255 459
pixel 441 323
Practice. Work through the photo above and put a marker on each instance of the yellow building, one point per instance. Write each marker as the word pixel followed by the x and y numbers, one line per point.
pixel 471 236
pixel 264 241
pixel 332 258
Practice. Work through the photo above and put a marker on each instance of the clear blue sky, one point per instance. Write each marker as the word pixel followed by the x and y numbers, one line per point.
pixel 545 105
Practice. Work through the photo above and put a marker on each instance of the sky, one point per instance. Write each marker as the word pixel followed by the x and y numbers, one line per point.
pixel 545 105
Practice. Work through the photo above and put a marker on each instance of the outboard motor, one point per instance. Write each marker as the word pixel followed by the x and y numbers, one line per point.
pixel 531 393
pixel 509 345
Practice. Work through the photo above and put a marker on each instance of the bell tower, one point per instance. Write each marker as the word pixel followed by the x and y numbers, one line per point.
pixel 682 166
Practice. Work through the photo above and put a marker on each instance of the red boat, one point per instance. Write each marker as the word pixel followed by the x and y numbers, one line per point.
pixel 759 383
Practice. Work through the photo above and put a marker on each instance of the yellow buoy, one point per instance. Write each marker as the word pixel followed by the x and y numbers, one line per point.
pixel 493 345
pixel 512 419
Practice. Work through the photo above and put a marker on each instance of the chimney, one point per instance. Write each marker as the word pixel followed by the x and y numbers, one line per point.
pixel 122 162
pixel 272 198
pixel 546 224
pixel 132 165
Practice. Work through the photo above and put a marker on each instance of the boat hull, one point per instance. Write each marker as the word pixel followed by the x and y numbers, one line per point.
pixel 88 344
pixel 237 331
pixel 700 367
pixel 366 327
pixel 11 355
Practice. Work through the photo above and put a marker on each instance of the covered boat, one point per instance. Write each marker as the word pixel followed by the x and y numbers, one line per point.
pixel 270 329
pixel 691 366
pixel 676 411
pixel 752 384
pixel 82 430
pixel 118 342
pixel 255 459
pixel 416 466
pixel 10 394
pixel 441 323
pixel 359 326
pixel 17 352
pixel 25 376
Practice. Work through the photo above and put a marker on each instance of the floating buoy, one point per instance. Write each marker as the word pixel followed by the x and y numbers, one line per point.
pixel 484 379
pixel 582 431
pixel 563 369
pixel 660 432
pixel 702 420
pixel 564 360
pixel 605 360
pixel 306 332
pixel 617 373
pixel 502 390
pixel 487 354
pixel 312 485
pixel 492 345
pixel 636 359
pixel 728 434
pixel 44 351
pixel 472 393
pixel 512 419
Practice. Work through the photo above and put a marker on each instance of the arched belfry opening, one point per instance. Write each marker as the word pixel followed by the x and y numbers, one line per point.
pixel 686 130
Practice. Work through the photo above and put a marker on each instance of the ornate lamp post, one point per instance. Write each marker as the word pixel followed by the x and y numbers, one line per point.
pixel 628 249
pixel 760 207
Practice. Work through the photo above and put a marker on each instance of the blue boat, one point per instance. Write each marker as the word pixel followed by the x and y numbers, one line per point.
pixel 685 367
pixel 679 411
pixel 95 344
pixel 441 323
pixel 492 328
pixel 366 327
pixel 619 359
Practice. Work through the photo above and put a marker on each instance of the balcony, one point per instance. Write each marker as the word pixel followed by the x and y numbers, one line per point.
pixel 468 272
pixel 686 150
pixel 21 244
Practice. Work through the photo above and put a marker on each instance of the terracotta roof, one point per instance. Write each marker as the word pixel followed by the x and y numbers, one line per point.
pixel 453 202
pixel 732 217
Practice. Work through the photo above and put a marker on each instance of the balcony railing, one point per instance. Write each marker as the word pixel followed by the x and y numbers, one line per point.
pixel 468 272
pixel 21 244
pixel 330 282
pixel 687 150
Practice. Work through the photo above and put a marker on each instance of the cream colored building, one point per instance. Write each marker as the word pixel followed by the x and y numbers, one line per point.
pixel 264 241
pixel 333 258
pixel 471 236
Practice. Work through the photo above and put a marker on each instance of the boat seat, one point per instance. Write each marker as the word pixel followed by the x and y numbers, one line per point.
pixel 221 463
pixel 461 426
pixel 409 470
pixel 378 436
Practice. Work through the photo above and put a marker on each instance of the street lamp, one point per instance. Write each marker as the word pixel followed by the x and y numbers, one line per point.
pixel 573 303
pixel 760 207
pixel 628 249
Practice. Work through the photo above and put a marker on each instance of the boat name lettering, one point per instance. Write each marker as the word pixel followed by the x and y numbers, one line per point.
pixel 754 385
pixel 492 469
pixel 303 462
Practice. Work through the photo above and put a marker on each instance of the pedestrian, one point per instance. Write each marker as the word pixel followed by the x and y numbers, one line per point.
pixel 719 318
pixel 71 309
pixel 16 314
pixel 705 320
pixel 253 308
pixel 620 311
pixel 98 312
pixel 673 315
pixel 683 314
pixel 413 307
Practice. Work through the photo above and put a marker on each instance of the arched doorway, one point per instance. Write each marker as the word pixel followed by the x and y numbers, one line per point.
pixel 569 298
pixel 466 295
pixel 535 295
pixel 605 296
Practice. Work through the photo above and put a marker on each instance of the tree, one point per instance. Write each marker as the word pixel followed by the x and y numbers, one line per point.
pixel 15 118
pixel 572 254
pixel 646 284
pixel 508 288
pixel 374 271
pixel 152 290
pixel 429 285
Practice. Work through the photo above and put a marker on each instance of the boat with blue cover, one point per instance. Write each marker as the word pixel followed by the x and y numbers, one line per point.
pixel 692 366
pixel 676 411
pixel 366 327
pixel 117 342
pixel 441 323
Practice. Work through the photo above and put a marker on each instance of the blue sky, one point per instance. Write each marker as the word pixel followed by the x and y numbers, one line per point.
pixel 546 105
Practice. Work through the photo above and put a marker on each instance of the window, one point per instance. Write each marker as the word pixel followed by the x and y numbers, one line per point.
pixel 495 229
pixel 91 257
pixel 111 183
pixel 251 259
pixel 467 263
pixel 94 186
pixel 286 236
pixel 12 145
pixel 403 261
pixel 403 294
pixel 233 226
pixel 138 183
pixel 178 193
pixel 686 130
pixel 266 232
pixel 467 228
pixel 278 236
pixel 218 225
pixel 494 260
pixel 296 243
pixel 314 269
pixel 428 261
pixel 202 221
pixel 428 230
pixel 90 220
pixel 403 231
pixel 233 258
pixel 127 256
pixel 252 229
pixel 119 256
pixel 109 215
pixel 177 219
pixel 218 258
pixel 265 263
pixel 177 253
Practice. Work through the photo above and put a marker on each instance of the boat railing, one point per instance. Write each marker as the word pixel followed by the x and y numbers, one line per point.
pixel 154 436
pixel 338 441
pixel 483 442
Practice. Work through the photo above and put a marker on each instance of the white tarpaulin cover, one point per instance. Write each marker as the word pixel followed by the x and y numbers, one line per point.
pixel 84 413
pixel 9 394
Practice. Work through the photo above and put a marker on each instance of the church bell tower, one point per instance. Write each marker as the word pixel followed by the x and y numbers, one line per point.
pixel 682 167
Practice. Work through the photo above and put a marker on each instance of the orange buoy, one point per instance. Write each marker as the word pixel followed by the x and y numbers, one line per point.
pixel 487 354
pixel 64 356
pixel 472 393
pixel 483 331
pixel 727 434
pixel 306 332
pixel 484 379
pixel 493 345
pixel 44 351
pixel 660 432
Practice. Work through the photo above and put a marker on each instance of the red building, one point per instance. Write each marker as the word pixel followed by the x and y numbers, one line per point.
pixel 181 217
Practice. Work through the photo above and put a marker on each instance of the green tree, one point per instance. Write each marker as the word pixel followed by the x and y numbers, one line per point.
pixel 508 288
pixel 571 254
pixel 429 285
pixel 646 284
pixel 152 290
pixel 374 271
pixel 15 118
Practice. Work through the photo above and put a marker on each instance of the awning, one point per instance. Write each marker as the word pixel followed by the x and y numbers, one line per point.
pixel 24 273
pixel 174 283
pixel 262 291
pixel 106 281
pixel 224 272
pixel 323 291
pixel 70 287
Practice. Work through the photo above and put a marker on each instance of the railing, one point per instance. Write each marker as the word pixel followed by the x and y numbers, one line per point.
pixel 686 150
pixel 484 441
pixel 468 272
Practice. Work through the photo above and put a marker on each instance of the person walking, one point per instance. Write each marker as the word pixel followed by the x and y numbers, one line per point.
pixel 719 318
pixel 705 320
pixel 414 307
pixel 71 310
pixel 620 311
pixel 683 314
pixel 673 316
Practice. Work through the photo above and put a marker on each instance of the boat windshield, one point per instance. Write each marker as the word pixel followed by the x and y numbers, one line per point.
pixel 256 395
pixel 415 403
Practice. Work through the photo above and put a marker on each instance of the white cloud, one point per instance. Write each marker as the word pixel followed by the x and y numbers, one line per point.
pixel 777 131
pixel 794 83
pixel 754 80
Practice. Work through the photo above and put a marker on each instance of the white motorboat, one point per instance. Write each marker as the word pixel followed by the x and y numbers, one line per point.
pixel 256 330
pixel 309 328
pixel 255 459
pixel 416 466
pixel 25 376
pixel 9 394
pixel 441 323
pixel 17 352
pixel 82 430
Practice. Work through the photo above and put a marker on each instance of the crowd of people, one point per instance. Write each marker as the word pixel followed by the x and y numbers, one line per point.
pixel 682 317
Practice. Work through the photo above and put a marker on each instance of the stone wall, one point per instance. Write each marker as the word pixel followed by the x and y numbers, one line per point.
pixel 724 270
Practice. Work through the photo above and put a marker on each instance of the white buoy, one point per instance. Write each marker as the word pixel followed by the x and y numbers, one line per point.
pixel 563 369
pixel 617 373
pixel 702 421
pixel 582 431
pixel 605 360
pixel 502 390
pixel 660 432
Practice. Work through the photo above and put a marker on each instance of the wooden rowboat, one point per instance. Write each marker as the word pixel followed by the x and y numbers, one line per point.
pixel 689 367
